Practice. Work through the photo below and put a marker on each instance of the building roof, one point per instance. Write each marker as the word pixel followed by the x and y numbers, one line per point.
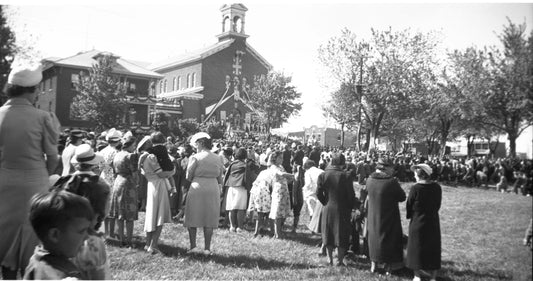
pixel 203 53
pixel 235 6
pixel 86 60
pixel 191 56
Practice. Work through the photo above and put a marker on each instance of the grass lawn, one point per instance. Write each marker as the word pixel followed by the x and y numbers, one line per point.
pixel 482 232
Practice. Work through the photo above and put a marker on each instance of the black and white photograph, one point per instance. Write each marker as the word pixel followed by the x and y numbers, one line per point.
pixel 266 140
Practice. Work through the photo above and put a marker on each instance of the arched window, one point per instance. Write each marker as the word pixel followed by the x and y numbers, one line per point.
pixel 188 80
pixel 193 83
pixel 178 86
pixel 165 86
pixel 174 84
pixel 226 24
pixel 237 24
pixel 161 86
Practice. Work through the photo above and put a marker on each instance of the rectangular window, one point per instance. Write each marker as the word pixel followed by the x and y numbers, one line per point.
pixel 74 79
pixel 132 88
pixel 46 84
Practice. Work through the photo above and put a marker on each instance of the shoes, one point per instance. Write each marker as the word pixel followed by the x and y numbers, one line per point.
pixel 238 229
pixel 322 254
pixel 373 267
pixel 340 263
pixel 232 229
pixel 207 253
pixel 152 251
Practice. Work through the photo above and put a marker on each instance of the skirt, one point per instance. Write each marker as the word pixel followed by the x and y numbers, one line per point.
pixel 203 203
pixel 236 198
pixel 157 204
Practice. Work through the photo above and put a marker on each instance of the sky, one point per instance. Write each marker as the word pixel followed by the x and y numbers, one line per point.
pixel 286 33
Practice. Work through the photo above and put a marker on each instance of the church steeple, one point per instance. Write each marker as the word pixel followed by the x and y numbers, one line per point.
pixel 233 22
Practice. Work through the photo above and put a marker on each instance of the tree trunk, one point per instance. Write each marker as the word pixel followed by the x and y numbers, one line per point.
pixel 375 131
pixel 367 137
pixel 342 135
pixel 512 144
pixel 444 131
pixel 358 136
pixel 470 144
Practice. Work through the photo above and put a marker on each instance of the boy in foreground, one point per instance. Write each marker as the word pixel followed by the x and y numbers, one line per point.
pixel 61 220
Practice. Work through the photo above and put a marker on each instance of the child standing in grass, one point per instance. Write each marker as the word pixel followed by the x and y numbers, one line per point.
pixel 61 220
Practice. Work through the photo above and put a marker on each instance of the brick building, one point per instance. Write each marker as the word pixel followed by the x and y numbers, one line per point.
pixel 61 74
pixel 212 83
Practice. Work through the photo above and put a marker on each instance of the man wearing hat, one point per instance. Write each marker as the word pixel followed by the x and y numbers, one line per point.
pixel 385 238
pixel 76 138
pixel 28 154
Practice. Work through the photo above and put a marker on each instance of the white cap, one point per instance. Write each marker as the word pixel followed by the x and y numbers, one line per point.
pixel 25 76
pixel 198 136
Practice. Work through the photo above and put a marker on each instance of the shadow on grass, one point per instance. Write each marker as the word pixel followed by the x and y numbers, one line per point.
pixel 304 238
pixel 450 270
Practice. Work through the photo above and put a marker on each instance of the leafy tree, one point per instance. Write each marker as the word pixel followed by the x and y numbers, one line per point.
pixel 101 96
pixel 399 65
pixel 188 127
pixel 7 51
pixel 343 58
pixel 343 107
pixel 274 99
pixel 508 104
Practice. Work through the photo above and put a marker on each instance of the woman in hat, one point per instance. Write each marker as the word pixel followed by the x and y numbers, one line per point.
pixel 157 168
pixel 385 237
pixel 335 192
pixel 28 147
pixel 204 171
pixel 113 138
pixel 124 193
pixel 422 207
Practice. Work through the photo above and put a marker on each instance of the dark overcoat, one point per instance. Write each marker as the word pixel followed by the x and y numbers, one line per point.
pixel 384 222
pixel 424 244
pixel 335 192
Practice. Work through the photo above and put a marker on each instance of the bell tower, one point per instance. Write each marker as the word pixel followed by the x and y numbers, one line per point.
pixel 233 22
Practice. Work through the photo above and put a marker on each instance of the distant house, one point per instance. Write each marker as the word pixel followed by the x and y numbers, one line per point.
pixel 61 74
pixel 213 82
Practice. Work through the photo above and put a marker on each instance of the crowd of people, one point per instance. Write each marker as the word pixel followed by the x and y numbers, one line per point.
pixel 107 178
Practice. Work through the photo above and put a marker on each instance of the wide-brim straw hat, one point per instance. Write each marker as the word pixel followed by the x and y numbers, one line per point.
pixel 84 154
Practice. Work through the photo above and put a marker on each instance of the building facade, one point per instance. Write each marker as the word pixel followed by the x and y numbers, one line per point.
pixel 61 74
pixel 212 83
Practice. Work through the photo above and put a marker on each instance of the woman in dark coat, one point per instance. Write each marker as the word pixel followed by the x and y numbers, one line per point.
pixel 422 207
pixel 384 222
pixel 236 195
pixel 335 192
